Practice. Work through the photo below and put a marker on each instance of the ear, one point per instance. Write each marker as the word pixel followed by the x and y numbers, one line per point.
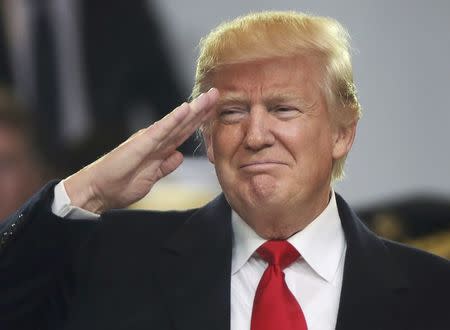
pixel 208 145
pixel 343 138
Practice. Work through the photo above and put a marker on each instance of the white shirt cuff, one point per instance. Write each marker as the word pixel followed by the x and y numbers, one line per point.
pixel 62 207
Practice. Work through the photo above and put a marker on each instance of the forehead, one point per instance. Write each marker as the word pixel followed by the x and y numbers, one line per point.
pixel 294 75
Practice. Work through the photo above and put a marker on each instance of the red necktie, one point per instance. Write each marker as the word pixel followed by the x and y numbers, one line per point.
pixel 274 307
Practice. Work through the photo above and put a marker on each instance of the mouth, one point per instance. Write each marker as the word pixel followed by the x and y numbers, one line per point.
pixel 261 165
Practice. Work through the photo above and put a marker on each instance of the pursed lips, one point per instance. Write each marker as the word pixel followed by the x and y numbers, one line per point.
pixel 261 164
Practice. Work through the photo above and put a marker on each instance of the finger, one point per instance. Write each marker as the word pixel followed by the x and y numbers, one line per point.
pixel 171 163
pixel 201 110
pixel 176 126
pixel 182 122
pixel 188 131
pixel 205 100
pixel 159 168
pixel 198 108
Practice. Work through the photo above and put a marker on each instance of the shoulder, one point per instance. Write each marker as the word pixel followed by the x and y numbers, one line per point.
pixel 423 269
pixel 415 255
pixel 414 263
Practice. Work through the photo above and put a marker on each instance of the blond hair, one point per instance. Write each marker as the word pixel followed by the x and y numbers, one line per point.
pixel 272 34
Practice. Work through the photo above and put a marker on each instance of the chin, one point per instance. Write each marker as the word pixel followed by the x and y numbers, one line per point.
pixel 259 193
pixel 262 187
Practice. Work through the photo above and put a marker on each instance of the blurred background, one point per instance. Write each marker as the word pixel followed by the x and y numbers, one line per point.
pixel 79 76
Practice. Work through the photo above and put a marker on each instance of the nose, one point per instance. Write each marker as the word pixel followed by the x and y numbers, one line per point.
pixel 258 134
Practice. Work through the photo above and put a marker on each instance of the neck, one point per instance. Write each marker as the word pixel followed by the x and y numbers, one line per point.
pixel 284 221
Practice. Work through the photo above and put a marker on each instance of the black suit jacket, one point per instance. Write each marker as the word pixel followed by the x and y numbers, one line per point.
pixel 171 270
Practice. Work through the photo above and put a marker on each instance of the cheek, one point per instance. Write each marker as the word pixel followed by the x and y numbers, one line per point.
pixel 311 147
pixel 225 141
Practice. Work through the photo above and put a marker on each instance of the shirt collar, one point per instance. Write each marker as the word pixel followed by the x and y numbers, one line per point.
pixel 321 243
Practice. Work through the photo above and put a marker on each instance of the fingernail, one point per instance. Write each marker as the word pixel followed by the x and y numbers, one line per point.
pixel 213 89
pixel 199 98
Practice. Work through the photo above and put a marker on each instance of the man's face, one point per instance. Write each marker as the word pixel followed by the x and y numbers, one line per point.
pixel 272 141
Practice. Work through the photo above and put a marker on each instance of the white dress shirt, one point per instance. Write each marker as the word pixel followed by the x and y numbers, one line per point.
pixel 62 206
pixel 315 279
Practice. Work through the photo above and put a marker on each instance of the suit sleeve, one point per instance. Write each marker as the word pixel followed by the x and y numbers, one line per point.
pixel 36 250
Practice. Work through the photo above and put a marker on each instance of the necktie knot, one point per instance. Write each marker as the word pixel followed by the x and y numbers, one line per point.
pixel 280 253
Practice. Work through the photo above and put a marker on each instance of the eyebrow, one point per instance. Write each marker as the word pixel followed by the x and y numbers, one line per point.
pixel 275 97
pixel 280 97
pixel 232 97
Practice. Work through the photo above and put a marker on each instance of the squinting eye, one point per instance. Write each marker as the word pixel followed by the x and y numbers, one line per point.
pixel 231 115
pixel 285 112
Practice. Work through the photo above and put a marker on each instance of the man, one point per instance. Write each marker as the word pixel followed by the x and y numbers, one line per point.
pixel 279 249
pixel 21 169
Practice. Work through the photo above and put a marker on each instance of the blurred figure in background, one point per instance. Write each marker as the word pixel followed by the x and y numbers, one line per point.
pixel 421 220
pixel 93 71
pixel 21 169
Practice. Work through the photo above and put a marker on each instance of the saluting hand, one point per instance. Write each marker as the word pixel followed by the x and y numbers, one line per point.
pixel 127 173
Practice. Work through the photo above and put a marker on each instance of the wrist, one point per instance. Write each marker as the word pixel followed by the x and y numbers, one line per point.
pixel 81 192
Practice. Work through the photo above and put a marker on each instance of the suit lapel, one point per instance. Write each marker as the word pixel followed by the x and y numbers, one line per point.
pixel 372 283
pixel 196 269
